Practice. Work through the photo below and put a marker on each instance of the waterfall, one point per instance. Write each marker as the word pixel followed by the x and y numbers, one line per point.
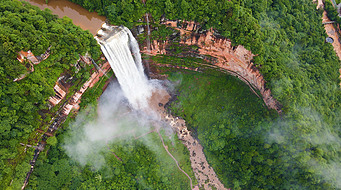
pixel 148 33
pixel 98 68
pixel 148 42
pixel 123 54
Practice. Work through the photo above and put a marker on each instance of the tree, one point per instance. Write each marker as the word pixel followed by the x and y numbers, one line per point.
pixel 52 141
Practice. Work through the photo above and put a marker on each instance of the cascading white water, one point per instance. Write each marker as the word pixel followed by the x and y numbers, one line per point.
pixel 122 51
pixel 148 33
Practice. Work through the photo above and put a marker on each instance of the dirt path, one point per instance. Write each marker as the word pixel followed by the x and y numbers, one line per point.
pixel 156 129
pixel 203 172
pixel 176 162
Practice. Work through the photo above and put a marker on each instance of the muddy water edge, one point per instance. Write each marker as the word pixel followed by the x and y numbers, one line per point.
pixel 80 16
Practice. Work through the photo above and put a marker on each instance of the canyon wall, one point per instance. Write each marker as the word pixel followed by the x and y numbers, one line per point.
pixel 331 31
pixel 234 59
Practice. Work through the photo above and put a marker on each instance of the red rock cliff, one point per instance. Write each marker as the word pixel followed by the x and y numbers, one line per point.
pixel 227 57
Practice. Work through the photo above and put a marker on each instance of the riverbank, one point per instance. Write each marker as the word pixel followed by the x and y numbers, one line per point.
pixel 81 17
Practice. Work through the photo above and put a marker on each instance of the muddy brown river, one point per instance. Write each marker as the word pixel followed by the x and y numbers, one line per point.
pixel 81 17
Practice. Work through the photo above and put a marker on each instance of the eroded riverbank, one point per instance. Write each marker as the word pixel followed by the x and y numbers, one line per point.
pixel 81 17
pixel 233 59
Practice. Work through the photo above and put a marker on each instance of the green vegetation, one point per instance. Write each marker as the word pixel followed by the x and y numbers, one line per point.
pixel 119 12
pixel 91 95
pixel 298 150
pixel 141 164
pixel 242 140
pixel 229 121
pixel 286 35
pixel 249 150
pixel 248 146
pixel 336 1
pixel 332 13
pixel 24 27
pixel 140 168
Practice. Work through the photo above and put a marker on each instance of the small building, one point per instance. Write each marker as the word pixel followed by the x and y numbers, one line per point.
pixel 33 60
pixel 29 55
pixel 140 29
pixel 60 94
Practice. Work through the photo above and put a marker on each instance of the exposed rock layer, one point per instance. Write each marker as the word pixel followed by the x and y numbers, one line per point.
pixel 236 59
pixel 332 32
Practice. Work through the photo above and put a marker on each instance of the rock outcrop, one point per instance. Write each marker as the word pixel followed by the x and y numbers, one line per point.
pixel 332 32
pixel 235 59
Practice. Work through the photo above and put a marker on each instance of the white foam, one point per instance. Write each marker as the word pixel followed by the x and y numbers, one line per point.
pixel 123 53
pixel 101 32
pixel 105 26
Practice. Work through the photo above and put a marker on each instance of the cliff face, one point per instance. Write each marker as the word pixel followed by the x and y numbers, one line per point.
pixel 331 31
pixel 237 60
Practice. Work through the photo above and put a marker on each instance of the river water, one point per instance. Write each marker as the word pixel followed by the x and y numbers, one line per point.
pixel 81 17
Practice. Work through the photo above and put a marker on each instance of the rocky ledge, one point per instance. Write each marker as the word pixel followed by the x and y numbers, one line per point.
pixel 220 52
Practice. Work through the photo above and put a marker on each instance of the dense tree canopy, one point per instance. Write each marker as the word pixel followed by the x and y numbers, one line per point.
pixel 24 27
pixel 249 147
pixel 138 163
pixel 332 12
pixel 140 168
pixel 302 72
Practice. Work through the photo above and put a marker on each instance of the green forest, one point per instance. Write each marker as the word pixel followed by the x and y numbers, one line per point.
pixel 140 167
pixel 23 105
pixel 136 164
pixel 249 146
